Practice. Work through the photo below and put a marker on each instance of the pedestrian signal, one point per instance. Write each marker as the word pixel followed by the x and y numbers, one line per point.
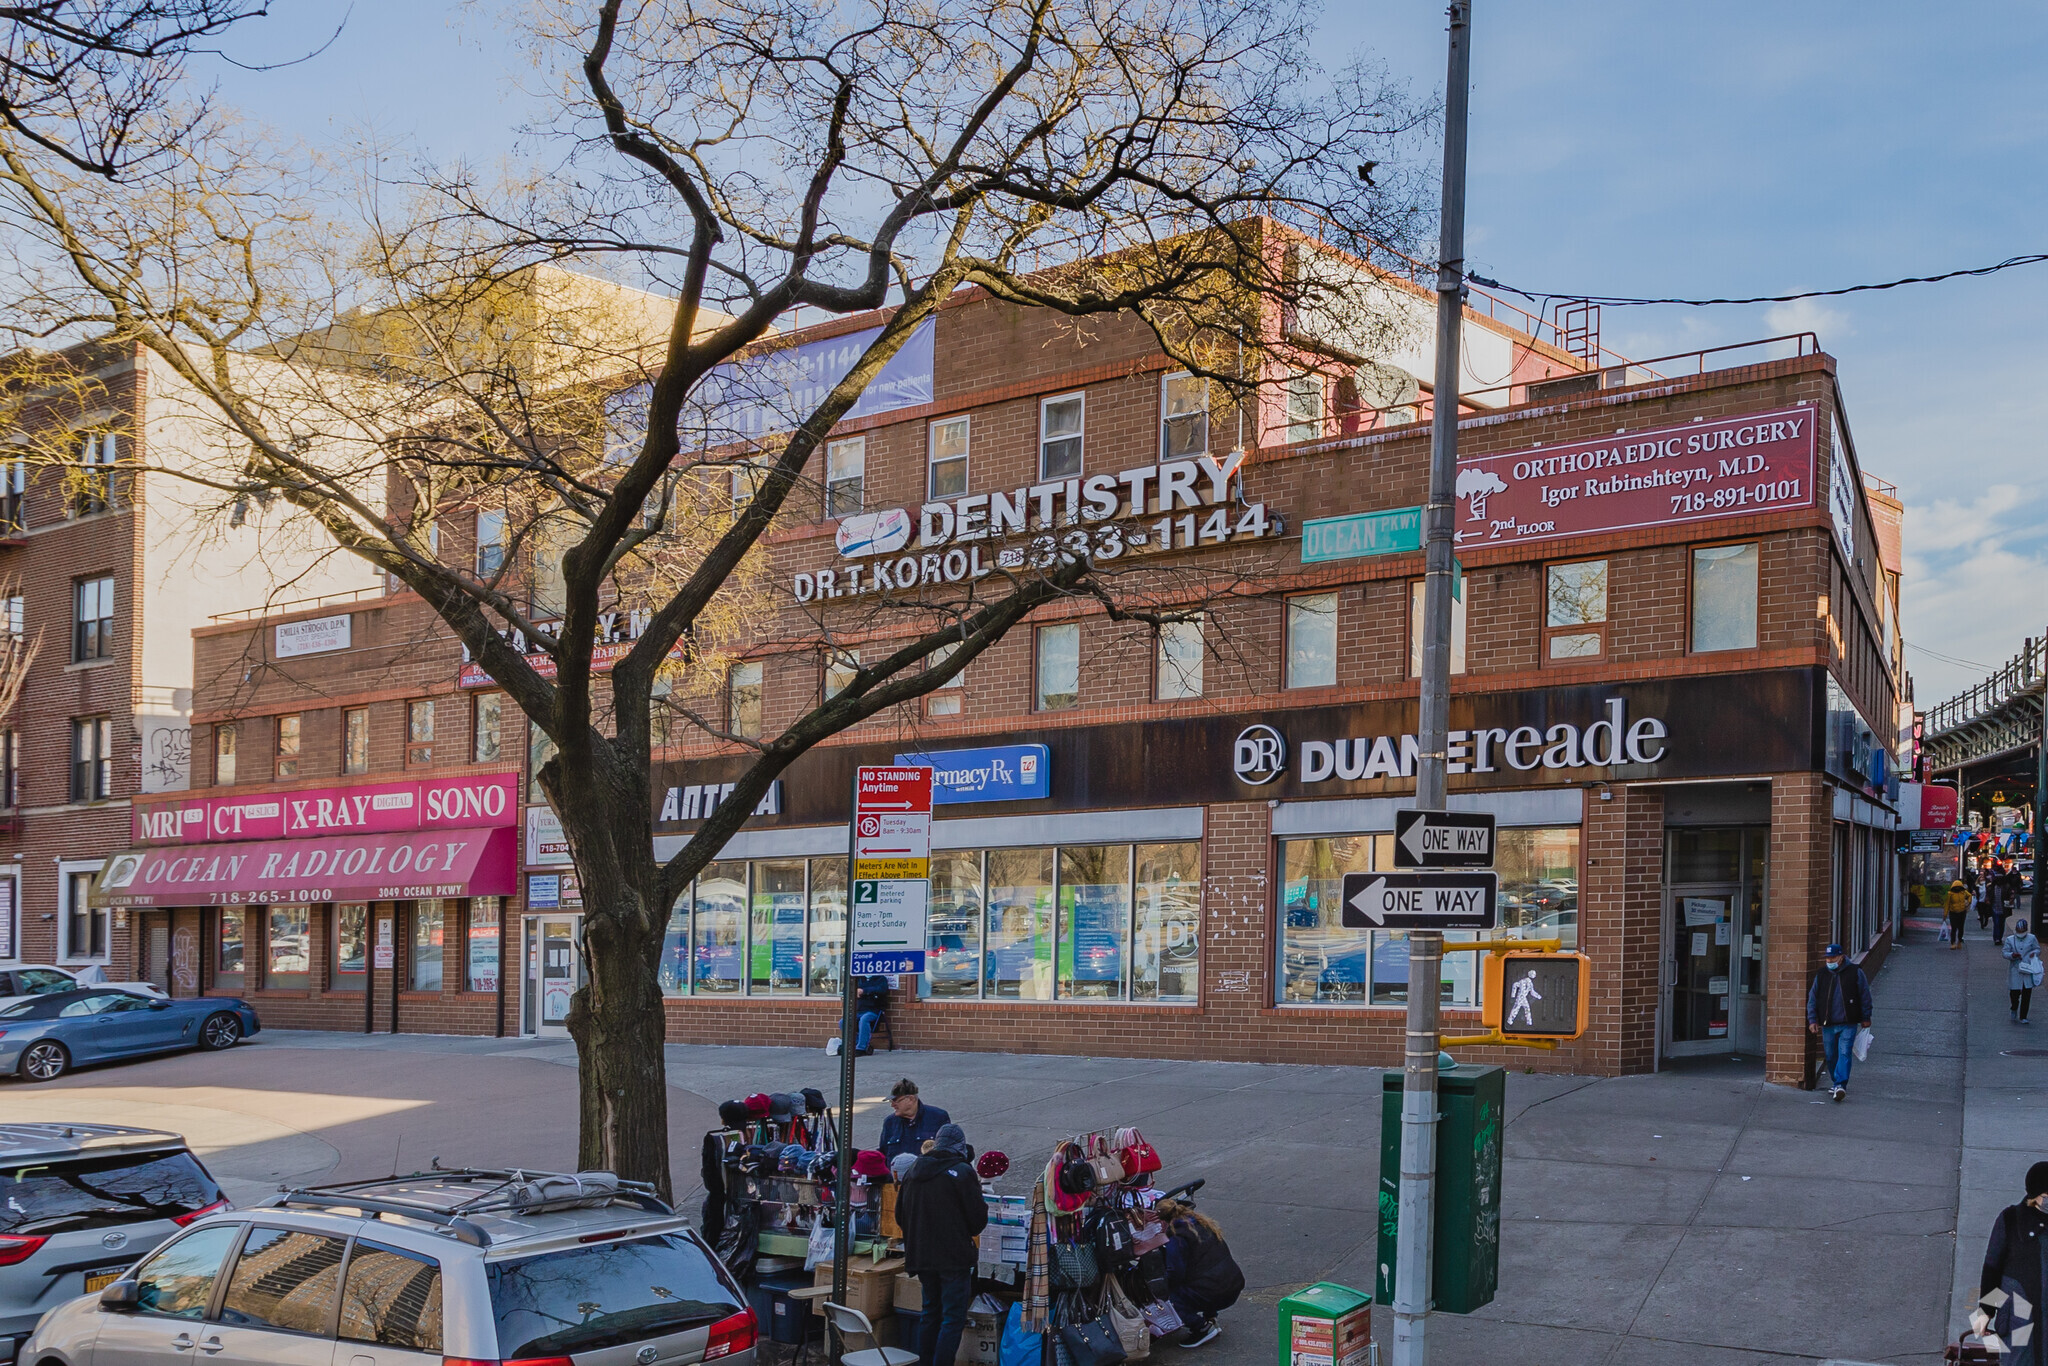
pixel 1537 995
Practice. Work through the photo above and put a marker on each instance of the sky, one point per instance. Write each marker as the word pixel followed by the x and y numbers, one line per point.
pixel 1748 147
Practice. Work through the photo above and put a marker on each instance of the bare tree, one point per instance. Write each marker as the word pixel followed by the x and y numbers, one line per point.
pixel 1094 159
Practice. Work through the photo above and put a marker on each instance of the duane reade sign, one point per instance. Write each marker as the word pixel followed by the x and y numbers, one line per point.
pixel 314 636
pixel 1608 742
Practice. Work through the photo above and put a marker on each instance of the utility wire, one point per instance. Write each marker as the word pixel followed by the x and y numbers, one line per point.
pixel 1608 301
pixel 1948 659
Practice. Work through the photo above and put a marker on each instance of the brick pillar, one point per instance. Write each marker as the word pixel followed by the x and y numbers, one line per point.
pixel 380 978
pixel 1237 927
pixel 1621 892
pixel 1796 919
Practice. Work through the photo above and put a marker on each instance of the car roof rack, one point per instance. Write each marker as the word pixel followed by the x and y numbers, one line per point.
pixel 509 1192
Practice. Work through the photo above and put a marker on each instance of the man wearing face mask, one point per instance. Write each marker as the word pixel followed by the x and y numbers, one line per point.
pixel 2010 1289
pixel 1837 1004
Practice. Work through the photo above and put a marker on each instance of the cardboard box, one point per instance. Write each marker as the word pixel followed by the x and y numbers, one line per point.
pixel 909 1293
pixel 870 1285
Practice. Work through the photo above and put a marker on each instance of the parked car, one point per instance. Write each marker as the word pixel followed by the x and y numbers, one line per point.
pixel 79 1203
pixel 418 1270
pixel 43 1036
pixel 15 983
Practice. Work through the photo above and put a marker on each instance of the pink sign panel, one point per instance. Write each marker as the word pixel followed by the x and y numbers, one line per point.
pixel 487 799
pixel 1761 462
pixel 368 867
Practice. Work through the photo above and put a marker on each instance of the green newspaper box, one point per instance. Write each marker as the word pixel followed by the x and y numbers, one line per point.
pixel 1326 1325
pixel 1466 1267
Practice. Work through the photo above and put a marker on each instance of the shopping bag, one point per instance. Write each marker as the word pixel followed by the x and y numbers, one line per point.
pixel 820 1248
pixel 1862 1044
pixel 2031 969
pixel 1944 930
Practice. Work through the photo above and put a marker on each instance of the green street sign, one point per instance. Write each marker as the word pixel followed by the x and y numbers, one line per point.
pixel 1357 534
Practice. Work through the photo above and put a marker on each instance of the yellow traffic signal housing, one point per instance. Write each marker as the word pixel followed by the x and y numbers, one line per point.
pixel 1533 996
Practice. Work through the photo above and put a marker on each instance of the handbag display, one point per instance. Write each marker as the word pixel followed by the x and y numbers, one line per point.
pixel 1074 1266
pixel 1162 1318
pixel 1093 1343
pixel 1108 1170
pixel 1139 1157
pixel 1077 1176
pixel 1115 1245
pixel 1128 1321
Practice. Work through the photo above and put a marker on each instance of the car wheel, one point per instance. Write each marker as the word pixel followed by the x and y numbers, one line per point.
pixel 220 1031
pixel 44 1061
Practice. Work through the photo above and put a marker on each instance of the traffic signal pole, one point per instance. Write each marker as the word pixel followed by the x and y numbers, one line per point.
pixel 1413 1252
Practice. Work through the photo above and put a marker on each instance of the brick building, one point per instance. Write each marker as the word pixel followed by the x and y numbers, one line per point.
pixel 110 559
pixel 1675 673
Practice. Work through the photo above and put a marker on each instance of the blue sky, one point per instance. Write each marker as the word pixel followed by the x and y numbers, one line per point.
pixel 1740 148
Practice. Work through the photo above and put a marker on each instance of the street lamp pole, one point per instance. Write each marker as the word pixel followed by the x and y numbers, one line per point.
pixel 1413 1253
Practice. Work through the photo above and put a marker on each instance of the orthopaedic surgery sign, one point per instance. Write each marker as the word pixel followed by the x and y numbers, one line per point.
pixel 1760 462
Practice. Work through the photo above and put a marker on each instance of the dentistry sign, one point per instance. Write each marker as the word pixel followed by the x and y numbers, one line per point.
pixel 1760 462
pixel 1176 505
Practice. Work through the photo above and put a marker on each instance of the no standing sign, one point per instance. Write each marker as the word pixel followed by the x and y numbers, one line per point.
pixel 892 849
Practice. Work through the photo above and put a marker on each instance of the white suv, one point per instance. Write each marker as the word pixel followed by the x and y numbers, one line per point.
pixel 466 1268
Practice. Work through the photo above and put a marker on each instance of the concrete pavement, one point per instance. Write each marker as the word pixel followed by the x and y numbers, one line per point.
pixel 1697 1215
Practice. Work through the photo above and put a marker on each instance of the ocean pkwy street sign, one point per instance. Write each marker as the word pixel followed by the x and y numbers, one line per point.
pixel 1443 839
pixel 892 849
pixel 1420 901
pixel 1388 532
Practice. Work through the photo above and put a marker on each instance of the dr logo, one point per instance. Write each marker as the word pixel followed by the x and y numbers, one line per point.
pixel 1259 755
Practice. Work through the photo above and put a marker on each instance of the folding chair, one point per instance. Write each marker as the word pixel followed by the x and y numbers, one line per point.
pixel 851 1323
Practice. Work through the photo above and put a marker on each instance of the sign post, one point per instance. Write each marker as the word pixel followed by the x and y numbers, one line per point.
pixel 888 879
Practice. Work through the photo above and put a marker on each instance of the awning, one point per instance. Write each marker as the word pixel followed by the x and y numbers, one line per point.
pixel 392 866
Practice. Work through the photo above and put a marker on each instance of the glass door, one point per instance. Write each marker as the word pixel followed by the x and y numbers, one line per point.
pixel 1699 953
pixel 554 967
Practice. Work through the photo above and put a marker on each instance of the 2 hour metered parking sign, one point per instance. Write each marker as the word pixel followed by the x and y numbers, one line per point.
pixel 1420 901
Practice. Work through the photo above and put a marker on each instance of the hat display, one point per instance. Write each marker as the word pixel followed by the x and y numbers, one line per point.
pixel 782 1105
pixel 990 1165
pixel 871 1164
pixel 757 1105
pixel 733 1113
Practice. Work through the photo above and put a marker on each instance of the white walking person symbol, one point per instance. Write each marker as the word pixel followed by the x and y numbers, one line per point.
pixel 1520 995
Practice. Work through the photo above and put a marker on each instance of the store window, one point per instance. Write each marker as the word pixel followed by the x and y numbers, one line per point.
pixel 487 728
pixel 1166 922
pixel 480 952
pixel 92 619
pixel 1178 669
pixel 743 699
pixel 953 926
pixel 228 955
pixel 424 950
pixel 351 946
pixel 1304 407
pixel 846 464
pixel 674 969
pixel 1312 640
pixel 92 758
pixel 1416 633
pixel 1057 667
pixel 946 699
pixel 1018 963
pixel 1183 417
pixel 85 925
pixel 1724 583
pixel 287 747
pixel 355 740
pixel 828 924
pixel 1095 921
pixel 223 755
pixel 1575 611
pixel 776 951
pixel 1539 883
pixel 288 947
pixel 948 457
pixel 1059 436
pixel 419 731
pixel 721 927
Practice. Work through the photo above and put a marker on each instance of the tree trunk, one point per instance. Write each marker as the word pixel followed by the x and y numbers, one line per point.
pixel 619 1027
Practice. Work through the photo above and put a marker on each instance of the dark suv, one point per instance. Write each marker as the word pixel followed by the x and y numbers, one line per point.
pixel 78 1204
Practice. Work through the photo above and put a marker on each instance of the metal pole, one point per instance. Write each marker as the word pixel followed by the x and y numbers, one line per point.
pixel 842 1196
pixel 1414 1253
pixel 2040 810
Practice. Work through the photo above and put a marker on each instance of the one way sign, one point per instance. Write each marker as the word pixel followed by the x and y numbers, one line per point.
pixel 1443 839
pixel 1420 901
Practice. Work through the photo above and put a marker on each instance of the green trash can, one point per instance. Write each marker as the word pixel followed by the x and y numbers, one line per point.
pixel 1326 1325
pixel 1471 1104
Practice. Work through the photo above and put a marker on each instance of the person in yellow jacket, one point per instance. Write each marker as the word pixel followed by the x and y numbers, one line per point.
pixel 1957 906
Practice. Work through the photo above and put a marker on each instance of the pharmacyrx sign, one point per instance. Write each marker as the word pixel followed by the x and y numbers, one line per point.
pixel 1761 462
pixel 1005 773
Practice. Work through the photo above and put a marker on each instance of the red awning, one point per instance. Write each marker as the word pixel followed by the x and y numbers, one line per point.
pixel 391 866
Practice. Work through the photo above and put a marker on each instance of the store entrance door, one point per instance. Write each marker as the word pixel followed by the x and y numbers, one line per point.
pixel 1699 950
pixel 554 970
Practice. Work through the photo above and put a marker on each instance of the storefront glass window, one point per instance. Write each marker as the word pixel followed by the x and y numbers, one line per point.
pixel 674 971
pixel 777 950
pixel 1095 920
pixel 288 944
pixel 953 930
pixel 1539 883
pixel 828 924
pixel 1019 960
pixel 1321 962
pixel 1166 932
pixel 230 961
pixel 425 952
pixel 721 926
pixel 351 946
pixel 481 972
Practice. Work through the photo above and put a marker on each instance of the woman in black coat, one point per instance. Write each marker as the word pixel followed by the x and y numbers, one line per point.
pixel 1202 1278
pixel 2015 1268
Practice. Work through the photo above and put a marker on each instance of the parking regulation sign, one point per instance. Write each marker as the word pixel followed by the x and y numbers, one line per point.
pixel 892 850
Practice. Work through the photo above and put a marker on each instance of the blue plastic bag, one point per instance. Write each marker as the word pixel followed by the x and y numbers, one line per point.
pixel 1019 1347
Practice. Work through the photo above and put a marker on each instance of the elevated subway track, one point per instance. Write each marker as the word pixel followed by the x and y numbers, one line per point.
pixel 1990 737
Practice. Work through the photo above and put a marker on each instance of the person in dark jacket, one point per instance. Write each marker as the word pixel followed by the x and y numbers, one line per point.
pixel 942 1213
pixel 2010 1289
pixel 1202 1278
pixel 869 1002
pixel 906 1130
pixel 1837 1004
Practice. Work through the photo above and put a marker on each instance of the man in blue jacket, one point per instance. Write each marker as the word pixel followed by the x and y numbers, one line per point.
pixel 913 1122
pixel 1837 1005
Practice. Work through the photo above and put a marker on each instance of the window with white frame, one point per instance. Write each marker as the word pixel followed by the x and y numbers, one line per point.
pixel 746 480
pixel 743 699
pixel 93 484
pixel 10 772
pixel 840 667
pixel 490 542
pixel 1059 436
pixel 1179 672
pixel 10 920
pixel 846 466
pixel 946 699
pixel 1183 417
pixel 92 618
pixel 223 755
pixel 1058 667
pixel 13 491
pixel 1312 640
pixel 1304 407
pixel 948 457
pixel 83 928
pixel 92 758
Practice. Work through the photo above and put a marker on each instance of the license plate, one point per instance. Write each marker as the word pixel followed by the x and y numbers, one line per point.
pixel 100 1280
